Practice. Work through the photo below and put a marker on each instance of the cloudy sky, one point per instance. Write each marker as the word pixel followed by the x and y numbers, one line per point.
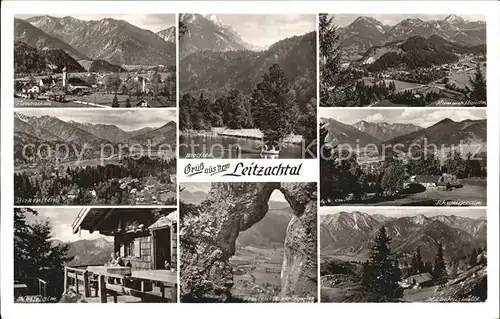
pixel 205 188
pixel 398 212
pixel 342 20
pixel 61 219
pixel 266 29
pixel 417 116
pixel 127 120
pixel 152 22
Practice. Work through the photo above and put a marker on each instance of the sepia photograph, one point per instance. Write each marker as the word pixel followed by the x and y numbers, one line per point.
pixel 95 157
pixel 410 255
pixel 247 86
pixel 411 157
pixel 248 242
pixel 95 255
pixel 402 60
pixel 95 60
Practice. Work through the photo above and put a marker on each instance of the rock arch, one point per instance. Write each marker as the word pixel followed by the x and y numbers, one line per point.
pixel 209 232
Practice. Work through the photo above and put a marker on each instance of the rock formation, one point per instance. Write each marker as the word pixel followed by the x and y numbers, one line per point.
pixel 209 232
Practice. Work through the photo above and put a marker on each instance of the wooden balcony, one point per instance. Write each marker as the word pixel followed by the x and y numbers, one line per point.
pixel 121 284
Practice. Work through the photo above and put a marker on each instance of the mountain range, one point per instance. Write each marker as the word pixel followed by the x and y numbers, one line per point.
pixel 417 51
pixel 445 132
pixel 207 32
pixel 385 131
pixel 366 32
pixel 52 129
pixel 88 252
pixel 115 41
pixel 352 233
pixel 219 72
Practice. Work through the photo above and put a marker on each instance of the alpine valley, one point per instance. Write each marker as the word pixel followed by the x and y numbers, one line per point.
pixel 414 62
pixel 68 61
pixel 224 80
pixel 394 164
pixel 64 162
pixel 417 242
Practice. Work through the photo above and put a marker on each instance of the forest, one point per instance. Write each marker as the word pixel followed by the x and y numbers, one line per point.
pixel 272 107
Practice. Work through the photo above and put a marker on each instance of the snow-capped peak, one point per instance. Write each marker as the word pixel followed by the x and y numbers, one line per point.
pixel 453 18
pixel 21 116
pixel 214 19
pixel 419 219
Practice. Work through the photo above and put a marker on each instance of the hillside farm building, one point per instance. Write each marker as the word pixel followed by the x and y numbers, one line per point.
pixel 428 181
pixel 419 280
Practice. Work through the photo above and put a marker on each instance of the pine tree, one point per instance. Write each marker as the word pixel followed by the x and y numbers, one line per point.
pixel 439 271
pixel 35 256
pixel 115 102
pixel 381 274
pixel 478 86
pixel 417 262
pixel 127 103
pixel 274 104
pixel 473 258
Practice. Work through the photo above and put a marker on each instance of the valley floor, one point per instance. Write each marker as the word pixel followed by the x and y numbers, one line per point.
pixel 473 193
pixel 257 273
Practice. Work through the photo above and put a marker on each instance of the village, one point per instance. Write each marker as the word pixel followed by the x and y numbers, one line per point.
pixel 52 184
pixel 137 88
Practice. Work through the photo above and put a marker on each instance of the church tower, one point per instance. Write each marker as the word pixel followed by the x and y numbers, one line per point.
pixel 65 79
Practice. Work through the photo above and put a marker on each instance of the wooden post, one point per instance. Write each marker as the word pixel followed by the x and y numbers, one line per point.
pixel 65 278
pixel 86 284
pixel 102 289
pixel 76 282
pixel 115 298
pixel 143 286
pixel 162 289
pixel 174 294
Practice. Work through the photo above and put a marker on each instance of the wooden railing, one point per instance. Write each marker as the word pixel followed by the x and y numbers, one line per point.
pixel 116 285
pixel 33 285
pixel 78 278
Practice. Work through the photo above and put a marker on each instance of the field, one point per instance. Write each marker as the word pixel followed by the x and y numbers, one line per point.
pixel 473 193
pixel 400 85
pixel 257 273
pixel 107 99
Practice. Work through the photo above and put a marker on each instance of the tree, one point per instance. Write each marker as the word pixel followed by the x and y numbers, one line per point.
pixel 115 102
pixel 456 165
pixel 187 106
pixel 381 274
pixel 307 126
pixel 425 164
pixel 155 83
pixel 112 82
pixel 478 86
pixel 439 274
pixel 393 178
pixel 473 258
pixel 335 84
pixel 417 262
pixel 274 105
pixel 35 255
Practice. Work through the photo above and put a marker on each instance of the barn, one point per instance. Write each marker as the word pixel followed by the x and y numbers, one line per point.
pixel 419 280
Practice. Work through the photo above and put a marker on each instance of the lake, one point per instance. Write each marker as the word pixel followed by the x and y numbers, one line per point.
pixel 227 147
